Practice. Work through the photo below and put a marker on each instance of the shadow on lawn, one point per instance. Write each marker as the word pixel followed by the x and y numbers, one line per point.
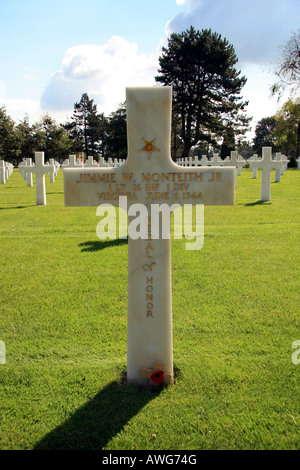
pixel 93 425
pixel 258 203
pixel 97 245
pixel 17 207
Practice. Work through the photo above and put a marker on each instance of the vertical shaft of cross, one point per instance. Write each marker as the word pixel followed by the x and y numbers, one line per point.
pixel 149 307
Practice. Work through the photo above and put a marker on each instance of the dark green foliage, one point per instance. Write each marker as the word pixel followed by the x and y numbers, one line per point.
pixel 264 134
pixel 200 66
pixel 116 141
pixel 7 136
pixel 86 127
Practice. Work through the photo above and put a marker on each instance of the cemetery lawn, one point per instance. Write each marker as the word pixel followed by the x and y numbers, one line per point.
pixel 63 319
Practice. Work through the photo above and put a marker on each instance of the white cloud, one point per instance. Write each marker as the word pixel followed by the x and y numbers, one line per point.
pixel 18 108
pixel 103 72
pixel 254 27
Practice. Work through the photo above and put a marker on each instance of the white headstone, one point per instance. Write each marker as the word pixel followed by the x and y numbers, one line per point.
pixel 278 169
pixel 285 162
pixel 90 162
pixel 204 161
pixel 102 163
pixel 215 160
pixel 29 173
pixel 149 177
pixel 266 164
pixel 240 165
pixel 2 171
pixel 254 158
pixel 40 169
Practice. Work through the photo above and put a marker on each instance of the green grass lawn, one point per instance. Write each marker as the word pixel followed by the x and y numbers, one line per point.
pixel 63 318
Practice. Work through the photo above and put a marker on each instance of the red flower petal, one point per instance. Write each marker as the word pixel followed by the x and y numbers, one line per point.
pixel 157 376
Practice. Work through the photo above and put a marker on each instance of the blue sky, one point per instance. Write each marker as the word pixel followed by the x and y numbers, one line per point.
pixel 53 51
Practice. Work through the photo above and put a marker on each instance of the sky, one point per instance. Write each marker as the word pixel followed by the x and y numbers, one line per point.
pixel 51 52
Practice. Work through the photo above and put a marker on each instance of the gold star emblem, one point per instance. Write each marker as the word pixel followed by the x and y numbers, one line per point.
pixel 149 147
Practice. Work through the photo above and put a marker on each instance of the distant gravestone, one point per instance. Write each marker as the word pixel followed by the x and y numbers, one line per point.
pixel 102 163
pixel 298 163
pixel 204 161
pixel 90 163
pixel 285 162
pixel 149 176
pixel 28 174
pixel 215 160
pixel 2 171
pixel 74 162
pixel 254 158
pixel 40 169
pixel 278 169
pixel 267 165
pixel 240 165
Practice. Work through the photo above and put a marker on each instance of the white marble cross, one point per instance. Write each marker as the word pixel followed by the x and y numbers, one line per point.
pixel 73 162
pixel 204 161
pixel 233 161
pixel 240 164
pixel 90 162
pixel 254 158
pixel 266 164
pixel 278 169
pixel 102 163
pixel 215 160
pixel 52 161
pixel 149 177
pixel 40 169
pixel 285 162
pixel 28 174
pixel 2 171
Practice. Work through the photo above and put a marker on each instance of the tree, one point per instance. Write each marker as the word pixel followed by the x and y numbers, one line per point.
pixel 288 68
pixel 264 134
pixel 8 141
pixel 206 86
pixel 25 139
pixel 86 127
pixel 51 138
pixel 116 140
pixel 286 133
pixel 228 142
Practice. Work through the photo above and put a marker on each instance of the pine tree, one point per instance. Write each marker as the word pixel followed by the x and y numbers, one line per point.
pixel 206 86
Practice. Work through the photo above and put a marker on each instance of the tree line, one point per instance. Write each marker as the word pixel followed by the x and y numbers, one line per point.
pixel 208 113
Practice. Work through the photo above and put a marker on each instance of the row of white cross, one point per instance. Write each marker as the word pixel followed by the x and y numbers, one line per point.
pixel 73 162
pixel 6 170
pixel 40 168
pixel 234 160
pixel 266 163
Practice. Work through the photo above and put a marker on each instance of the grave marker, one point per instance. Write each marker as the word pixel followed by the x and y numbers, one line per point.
pixel 40 169
pixel 278 170
pixel 254 158
pixel 2 171
pixel 90 162
pixel 28 174
pixel 149 177
pixel 266 164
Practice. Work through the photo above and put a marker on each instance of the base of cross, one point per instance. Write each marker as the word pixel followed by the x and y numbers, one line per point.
pixel 157 375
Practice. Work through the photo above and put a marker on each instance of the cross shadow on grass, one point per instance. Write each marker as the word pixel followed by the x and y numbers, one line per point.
pixel 17 207
pixel 258 203
pixel 93 425
pixel 96 245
